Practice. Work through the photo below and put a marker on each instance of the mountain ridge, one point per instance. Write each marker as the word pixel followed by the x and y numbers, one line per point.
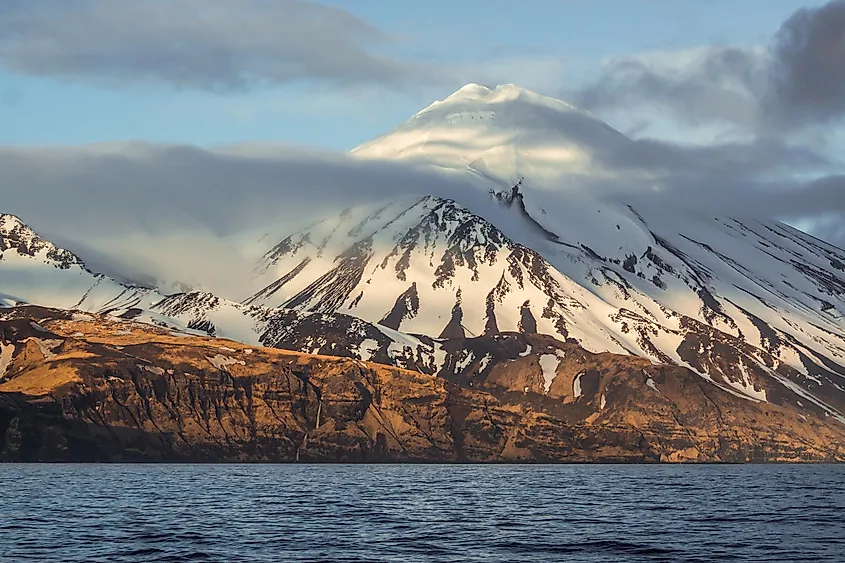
pixel 753 307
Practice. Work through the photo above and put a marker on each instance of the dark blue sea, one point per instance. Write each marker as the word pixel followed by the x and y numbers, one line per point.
pixel 407 513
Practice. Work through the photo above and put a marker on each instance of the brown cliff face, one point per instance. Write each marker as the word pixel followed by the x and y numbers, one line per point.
pixel 86 388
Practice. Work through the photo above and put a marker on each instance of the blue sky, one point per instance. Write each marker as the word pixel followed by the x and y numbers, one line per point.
pixel 547 45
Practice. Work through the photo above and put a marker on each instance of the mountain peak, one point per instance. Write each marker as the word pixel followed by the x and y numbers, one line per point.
pixel 9 223
pixel 503 133
pixel 18 236
pixel 479 91
pixel 503 93
pixel 14 232
pixel 471 89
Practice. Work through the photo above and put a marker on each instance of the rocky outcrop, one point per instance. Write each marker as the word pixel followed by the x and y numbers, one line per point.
pixel 95 388
pixel 15 235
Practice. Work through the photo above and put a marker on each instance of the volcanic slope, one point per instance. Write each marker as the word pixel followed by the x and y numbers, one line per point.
pixel 740 301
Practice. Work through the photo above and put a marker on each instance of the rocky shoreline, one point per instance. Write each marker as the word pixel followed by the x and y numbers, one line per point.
pixel 98 389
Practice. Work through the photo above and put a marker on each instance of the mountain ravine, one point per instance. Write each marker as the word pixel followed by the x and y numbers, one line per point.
pixel 80 387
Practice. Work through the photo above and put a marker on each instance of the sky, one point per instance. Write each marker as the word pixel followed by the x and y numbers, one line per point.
pixel 120 120
pixel 98 84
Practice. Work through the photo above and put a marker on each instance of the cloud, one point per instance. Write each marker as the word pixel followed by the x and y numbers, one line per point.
pixel 761 178
pixel 149 188
pixel 216 45
pixel 695 86
pixel 720 163
pixel 816 205
pixel 827 226
pixel 154 212
pixel 771 109
pixel 796 81
pixel 808 70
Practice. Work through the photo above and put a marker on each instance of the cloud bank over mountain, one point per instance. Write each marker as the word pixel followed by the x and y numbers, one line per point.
pixel 773 105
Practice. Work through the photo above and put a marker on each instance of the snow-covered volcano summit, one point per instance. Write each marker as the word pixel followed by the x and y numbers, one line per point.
pixel 742 301
pixel 504 133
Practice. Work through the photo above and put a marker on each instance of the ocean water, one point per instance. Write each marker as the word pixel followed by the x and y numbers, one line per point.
pixel 409 513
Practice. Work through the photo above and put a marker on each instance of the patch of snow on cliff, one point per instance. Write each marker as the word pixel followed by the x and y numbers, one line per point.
pixel 464 363
pixel 222 362
pixel 367 349
pixel 484 362
pixel 746 386
pixel 440 357
pixel 549 363
pixel 576 386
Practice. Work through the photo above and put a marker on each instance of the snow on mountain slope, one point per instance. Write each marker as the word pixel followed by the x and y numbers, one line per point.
pixel 754 306
pixel 428 266
pixel 36 271
pixel 33 270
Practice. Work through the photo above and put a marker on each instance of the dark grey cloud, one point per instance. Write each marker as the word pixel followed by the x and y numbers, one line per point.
pixel 821 201
pixel 808 71
pixel 829 227
pixel 816 205
pixel 722 163
pixel 218 45
pixel 795 81
pixel 761 178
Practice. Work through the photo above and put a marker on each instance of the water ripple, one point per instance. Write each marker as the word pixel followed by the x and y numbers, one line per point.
pixel 404 514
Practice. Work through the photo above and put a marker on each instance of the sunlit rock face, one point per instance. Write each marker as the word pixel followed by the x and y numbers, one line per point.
pixel 88 387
